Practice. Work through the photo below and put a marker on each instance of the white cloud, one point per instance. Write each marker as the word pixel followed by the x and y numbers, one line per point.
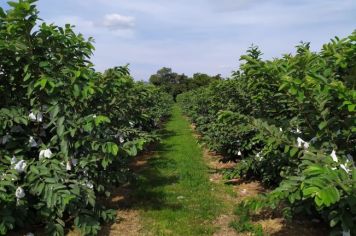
pixel 117 21
pixel 96 29
pixel 202 35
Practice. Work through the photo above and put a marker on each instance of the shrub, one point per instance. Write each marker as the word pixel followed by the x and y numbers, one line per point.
pixel 66 131
pixel 289 122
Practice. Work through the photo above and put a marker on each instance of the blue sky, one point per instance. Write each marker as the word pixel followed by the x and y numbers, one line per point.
pixel 192 36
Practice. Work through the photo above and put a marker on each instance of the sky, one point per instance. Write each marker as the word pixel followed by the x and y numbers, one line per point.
pixel 189 36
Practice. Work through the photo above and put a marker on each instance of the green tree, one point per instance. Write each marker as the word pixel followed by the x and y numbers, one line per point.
pixel 174 83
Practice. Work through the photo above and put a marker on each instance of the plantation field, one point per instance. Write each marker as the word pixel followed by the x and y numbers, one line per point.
pixel 179 190
pixel 268 151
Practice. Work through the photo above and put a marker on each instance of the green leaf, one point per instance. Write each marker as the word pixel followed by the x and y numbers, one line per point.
pixel 334 221
pixel 60 126
pixel 54 111
pixel 114 149
pixel 64 146
pixel 44 64
pixel 310 191
pixel 351 107
pixel 322 125
pixel 101 119
pixel 27 76
pixel 293 151
pixel 293 91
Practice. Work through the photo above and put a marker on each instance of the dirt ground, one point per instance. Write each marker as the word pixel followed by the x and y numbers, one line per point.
pixel 271 224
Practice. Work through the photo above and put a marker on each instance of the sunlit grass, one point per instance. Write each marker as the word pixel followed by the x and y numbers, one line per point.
pixel 174 191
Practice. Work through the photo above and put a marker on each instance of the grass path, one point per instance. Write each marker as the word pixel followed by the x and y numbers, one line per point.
pixel 180 192
pixel 173 192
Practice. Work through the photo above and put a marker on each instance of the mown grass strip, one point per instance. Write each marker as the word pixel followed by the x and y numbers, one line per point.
pixel 173 191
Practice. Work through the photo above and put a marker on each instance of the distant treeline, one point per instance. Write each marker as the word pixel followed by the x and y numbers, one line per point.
pixel 174 83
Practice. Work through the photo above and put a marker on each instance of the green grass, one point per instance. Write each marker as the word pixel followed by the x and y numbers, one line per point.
pixel 173 191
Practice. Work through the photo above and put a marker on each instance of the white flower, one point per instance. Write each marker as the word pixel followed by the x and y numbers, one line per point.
pixel 333 156
pixel 13 160
pixel 90 185
pixel 297 131
pixel 346 233
pixel 239 153
pixel 20 166
pixel 280 129
pixel 5 139
pixel 94 116
pixel 20 193
pixel 32 116
pixel 32 142
pixel 121 139
pixel 69 166
pixel 342 166
pixel 302 143
pixel 258 155
pixel 74 162
pixel 45 153
pixel 39 117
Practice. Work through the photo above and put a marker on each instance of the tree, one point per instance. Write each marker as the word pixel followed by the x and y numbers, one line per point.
pixel 174 83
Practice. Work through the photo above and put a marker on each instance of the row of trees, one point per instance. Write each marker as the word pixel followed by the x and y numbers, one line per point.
pixel 174 83
pixel 67 132
pixel 289 122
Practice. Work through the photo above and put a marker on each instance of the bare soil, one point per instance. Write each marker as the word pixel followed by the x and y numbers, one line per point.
pixel 272 223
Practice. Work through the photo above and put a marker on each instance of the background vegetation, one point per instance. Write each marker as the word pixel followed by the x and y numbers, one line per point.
pixel 175 84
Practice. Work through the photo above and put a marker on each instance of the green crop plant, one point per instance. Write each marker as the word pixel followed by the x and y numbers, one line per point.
pixel 66 131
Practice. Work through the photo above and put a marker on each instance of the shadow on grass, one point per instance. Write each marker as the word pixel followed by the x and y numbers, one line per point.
pixel 146 190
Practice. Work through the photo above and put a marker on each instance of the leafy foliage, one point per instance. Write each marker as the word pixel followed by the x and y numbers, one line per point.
pixel 175 84
pixel 289 122
pixel 66 131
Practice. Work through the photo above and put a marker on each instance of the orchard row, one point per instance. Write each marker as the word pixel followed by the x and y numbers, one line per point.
pixel 66 131
pixel 289 122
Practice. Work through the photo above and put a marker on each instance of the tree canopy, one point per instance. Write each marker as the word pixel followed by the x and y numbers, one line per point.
pixel 174 83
